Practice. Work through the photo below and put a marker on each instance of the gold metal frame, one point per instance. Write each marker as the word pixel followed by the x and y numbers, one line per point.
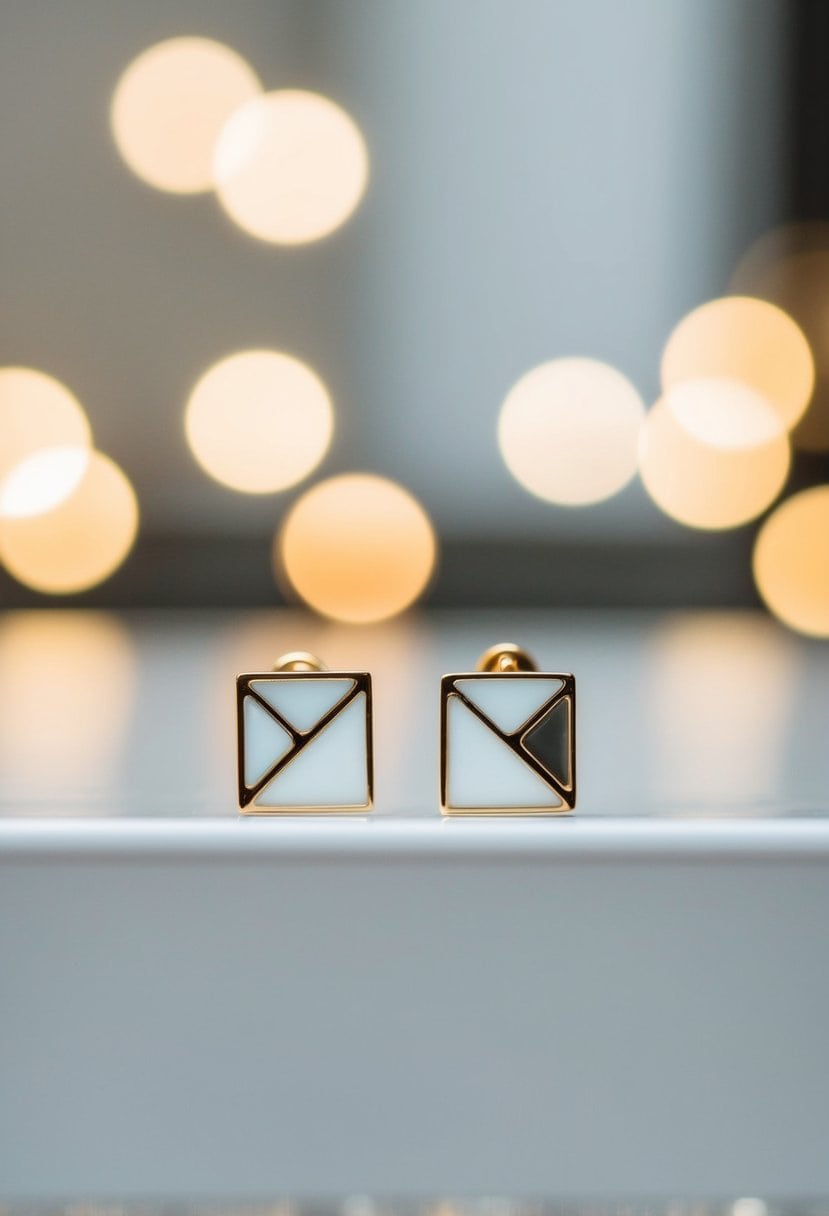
pixel 247 795
pixel 514 741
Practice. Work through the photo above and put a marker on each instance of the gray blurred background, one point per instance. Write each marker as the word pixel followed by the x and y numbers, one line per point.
pixel 547 178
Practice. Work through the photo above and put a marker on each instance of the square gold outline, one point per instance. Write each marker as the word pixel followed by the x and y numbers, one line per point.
pixel 567 794
pixel 362 683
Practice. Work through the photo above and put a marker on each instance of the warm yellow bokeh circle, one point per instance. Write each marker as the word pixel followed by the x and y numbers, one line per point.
pixel 259 421
pixel 745 339
pixel 790 267
pixel 37 412
pixel 568 431
pixel 791 561
pixel 80 542
pixel 170 105
pixel 290 166
pixel 357 548
pixel 703 485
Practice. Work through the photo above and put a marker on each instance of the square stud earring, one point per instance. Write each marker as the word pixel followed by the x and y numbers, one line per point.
pixel 507 738
pixel 304 739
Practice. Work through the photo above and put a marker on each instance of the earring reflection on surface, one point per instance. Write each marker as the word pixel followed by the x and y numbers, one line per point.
pixel 304 739
pixel 507 738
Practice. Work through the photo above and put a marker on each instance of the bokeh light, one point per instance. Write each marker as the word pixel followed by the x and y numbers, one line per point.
pixel 791 561
pixel 79 543
pixel 170 105
pixel 723 413
pixel 68 680
pixel 569 429
pixel 707 486
pixel 259 421
pixel 790 267
pixel 713 742
pixel 290 167
pixel 37 412
pixel 42 481
pixel 745 339
pixel 357 548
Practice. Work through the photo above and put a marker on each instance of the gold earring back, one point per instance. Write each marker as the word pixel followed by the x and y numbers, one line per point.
pixel 298 660
pixel 505 656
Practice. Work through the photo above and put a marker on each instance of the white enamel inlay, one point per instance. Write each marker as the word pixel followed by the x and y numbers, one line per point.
pixel 302 700
pixel 509 700
pixel 265 741
pixel 483 771
pixel 331 770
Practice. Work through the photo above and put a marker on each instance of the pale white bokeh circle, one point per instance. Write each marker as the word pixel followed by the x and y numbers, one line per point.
pixel 290 166
pixel 568 431
pixel 724 413
pixel 38 414
pixel 170 105
pixel 259 421
pixel 42 481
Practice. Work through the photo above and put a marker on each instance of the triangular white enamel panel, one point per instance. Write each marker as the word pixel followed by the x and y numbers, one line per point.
pixel 509 700
pixel 266 741
pixel 331 770
pixel 484 771
pixel 302 701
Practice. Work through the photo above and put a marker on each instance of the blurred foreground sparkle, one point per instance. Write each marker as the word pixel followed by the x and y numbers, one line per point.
pixel 791 562
pixel 568 431
pixel 170 105
pixel 357 548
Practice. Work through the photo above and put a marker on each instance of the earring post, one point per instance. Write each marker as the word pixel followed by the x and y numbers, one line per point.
pixel 298 660
pixel 505 657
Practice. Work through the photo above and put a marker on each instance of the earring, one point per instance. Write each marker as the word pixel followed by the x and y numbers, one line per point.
pixel 304 739
pixel 507 738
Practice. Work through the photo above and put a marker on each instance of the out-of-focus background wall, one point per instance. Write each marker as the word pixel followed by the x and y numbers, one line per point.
pixel 546 179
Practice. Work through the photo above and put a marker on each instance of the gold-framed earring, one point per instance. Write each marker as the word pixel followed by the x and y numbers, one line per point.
pixel 507 738
pixel 304 739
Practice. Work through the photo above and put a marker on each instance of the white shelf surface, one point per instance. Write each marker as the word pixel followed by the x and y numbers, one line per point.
pixel 631 1002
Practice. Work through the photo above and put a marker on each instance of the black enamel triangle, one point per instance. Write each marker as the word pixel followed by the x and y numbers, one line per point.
pixel 548 740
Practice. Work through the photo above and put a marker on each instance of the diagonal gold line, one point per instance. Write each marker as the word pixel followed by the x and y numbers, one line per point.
pixel 526 725
pixel 513 740
pixel 564 791
pixel 456 692
pixel 546 708
pixel 274 713
pixel 301 741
